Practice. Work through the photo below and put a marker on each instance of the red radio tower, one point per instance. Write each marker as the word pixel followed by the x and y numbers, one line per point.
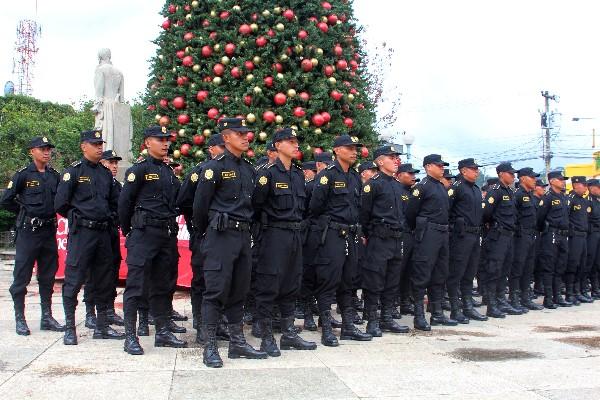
pixel 26 49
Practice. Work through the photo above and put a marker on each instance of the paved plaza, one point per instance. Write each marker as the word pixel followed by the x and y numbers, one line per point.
pixel 541 355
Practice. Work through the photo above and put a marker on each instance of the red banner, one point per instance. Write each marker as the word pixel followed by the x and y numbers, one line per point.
pixel 185 270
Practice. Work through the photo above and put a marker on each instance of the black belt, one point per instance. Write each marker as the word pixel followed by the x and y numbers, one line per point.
pixel 595 229
pixel 344 228
pixel 504 231
pixel 529 231
pixel 294 226
pixel 160 223
pixel 438 227
pixel 385 231
pixel 37 223
pixel 91 224
pixel 578 233
pixel 238 225
pixel 562 232
pixel 473 229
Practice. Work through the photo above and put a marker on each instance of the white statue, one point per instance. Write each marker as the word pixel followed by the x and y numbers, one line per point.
pixel 113 116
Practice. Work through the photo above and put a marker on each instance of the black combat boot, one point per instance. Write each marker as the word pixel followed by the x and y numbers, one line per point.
pixel 349 331
pixel 131 344
pixel 114 318
pixel 164 337
pixel 570 292
pixel 47 322
pixel 456 311
pixel 256 330
pixel 387 323
pixel 103 330
pixel 327 336
pixel 526 301
pixel 334 322
pixel 222 329
pixel 90 316
pixel 210 355
pixel 309 322
pixel 290 339
pixel 70 337
pixel 143 328
pixel 357 303
pixel 504 306
pixel 173 327
pixel 492 308
pixel 515 302
pixel 175 316
pixel 438 317
pixel 370 314
pixel 406 306
pixel 268 344
pixel 299 308
pixel 238 347
pixel 20 322
pixel 469 310
pixel 420 322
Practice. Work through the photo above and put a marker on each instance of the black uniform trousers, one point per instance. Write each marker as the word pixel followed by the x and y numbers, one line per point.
pixel 35 247
pixel 149 271
pixel 227 264
pixel 464 262
pixel 115 244
pixel 89 254
pixel 309 252
pixel 554 250
pixel 408 244
pixel 335 268
pixel 197 285
pixel 430 265
pixel 576 261
pixel 523 261
pixel 498 254
pixel 382 269
pixel 174 271
pixel 279 271
pixel 593 255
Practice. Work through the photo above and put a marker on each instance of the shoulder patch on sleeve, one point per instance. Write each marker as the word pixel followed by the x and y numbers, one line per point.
pixel 367 188
pixel 66 177
pixel 194 177
pixel 416 192
pixel 208 174
pixel 10 184
pixel 131 177
pixel 450 192
pixel 263 180
pixel 491 200
pixel 324 180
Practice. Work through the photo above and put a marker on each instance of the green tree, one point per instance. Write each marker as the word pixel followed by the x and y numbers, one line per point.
pixel 295 64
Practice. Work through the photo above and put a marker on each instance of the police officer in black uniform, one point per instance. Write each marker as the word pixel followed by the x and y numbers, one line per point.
pixel 334 207
pixel 524 243
pixel 593 244
pixel 383 222
pixel 538 286
pixel 309 168
pixel 579 209
pixel 30 195
pixel 279 199
pixel 500 217
pixel 110 160
pixel 222 214
pixel 185 202
pixel 553 222
pixel 87 195
pixel 407 177
pixel 147 213
pixel 465 216
pixel 427 215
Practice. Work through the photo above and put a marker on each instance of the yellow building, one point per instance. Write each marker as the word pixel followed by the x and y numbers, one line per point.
pixel 589 170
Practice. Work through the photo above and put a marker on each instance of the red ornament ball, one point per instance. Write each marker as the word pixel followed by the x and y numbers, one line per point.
pixel 326 5
pixel 235 72
pixel 247 100
pixel 188 61
pixel 328 70
pixel 164 121
pixel 183 119
pixel 250 136
pixel 269 116
pixel 288 14
pixel 218 69
pixel 280 99
pixel 338 51
pixel 261 41
pixel 332 19
pixel 224 15
pixel 302 35
pixel 348 122
pixel 306 65
pixel 166 24
pixel 326 116
pixel 364 152
pixel 250 153
pixel 299 112
pixel 172 9
pixel 304 96
pixel 185 149
pixel 206 51
pixel 198 140
pixel 317 150
pixel 163 103
pixel 323 27
pixel 180 54
pixel 213 113
pixel 268 81
pixel 188 36
pixel 229 49
pixel 179 102
pixel 318 120
pixel 337 96
pixel 245 29
pixel 341 64
pixel 202 95
pixel 249 65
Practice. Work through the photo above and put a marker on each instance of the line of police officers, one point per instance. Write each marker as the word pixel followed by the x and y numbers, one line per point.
pixel 275 241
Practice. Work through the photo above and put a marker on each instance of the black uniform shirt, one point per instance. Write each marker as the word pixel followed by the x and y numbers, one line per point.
pixel 579 209
pixel 150 186
pixel 279 193
pixel 310 185
pixel 465 202
pixel 381 202
pixel 337 195
pixel 89 190
pixel 594 217
pixel 500 207
pixel 553 209
pixel 225 185
pixel 32 190
pixel 428 199
pixel 526 209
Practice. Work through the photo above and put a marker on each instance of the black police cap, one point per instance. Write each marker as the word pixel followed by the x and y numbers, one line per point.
pixel 271 146
pixel 40 141
pixel 110 155
pixel 578 179
pixel 309 165
pixel 366 165
pixel 448 174
pixel 492 181
pixel 434 159
pixel 556 175
pixel 505 167
pixel 284 134
pixel 346 140
pixel 468 163
pixel 408 168
pixel 156 131
pixel 388 150
pixel 324 157
pixel 527 171
pixel 235 124
pixel 539 182
pixel 593 182
pixel 92 136
pixel 216 140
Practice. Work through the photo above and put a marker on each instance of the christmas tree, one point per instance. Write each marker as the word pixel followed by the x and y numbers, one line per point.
pixel 276 63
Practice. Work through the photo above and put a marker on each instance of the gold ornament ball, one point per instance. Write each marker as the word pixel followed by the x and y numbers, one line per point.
pixel 283 57
pixel 176 154
pixel 257 90
pixel 217 80
pixel 338 22
pixel 249 77
pixel 251 118
pixel 254 27
pixel 213 13
pixel 187 50
pixel 291 93
pixel 320 51
pixel 157 117
pixel 217 47
pixel 355 139
pixel 262 136
pixel 306 123
pixel 280 27
pixel 298 49
pixel 256 60
pixel 314 62
pixel 242 43
pixel 195 4
pixel 237 8
pixel 225 60
pixel 332 80
pixel 174 69
pixel 196 68
pixel 294 127
pixel 206 132
pixel 181 132
pixel 279 119
pixel 279 76
pixel 277 10
pixel 266 13
pixel 160 57
pixel 193 85
pixel 350 97
pixel 323 19
pixel 199 153
pixel 318 131
pixel 188 17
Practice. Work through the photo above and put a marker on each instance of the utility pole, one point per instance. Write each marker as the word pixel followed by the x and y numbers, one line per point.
pixel 546 126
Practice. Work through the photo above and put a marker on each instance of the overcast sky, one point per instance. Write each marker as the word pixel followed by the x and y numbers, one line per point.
pixel 469 72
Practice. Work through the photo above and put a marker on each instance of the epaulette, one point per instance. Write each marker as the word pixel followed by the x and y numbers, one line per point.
pixel 457 182
pixel 76 163
pixel 495 186
pixel 248 161
pixel 330 166
pixel 310 180
pixel 220 157
pixel 376 176
pixel 297 166
pixel 23 169
pixel 141 160
pixel 104 166
pixel 268 165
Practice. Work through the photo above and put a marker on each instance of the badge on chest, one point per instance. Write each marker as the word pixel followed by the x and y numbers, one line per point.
pixel 151 177
pixel 228 175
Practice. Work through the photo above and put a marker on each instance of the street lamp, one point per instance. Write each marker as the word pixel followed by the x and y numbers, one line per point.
pixel 576 119
pixel 408 140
